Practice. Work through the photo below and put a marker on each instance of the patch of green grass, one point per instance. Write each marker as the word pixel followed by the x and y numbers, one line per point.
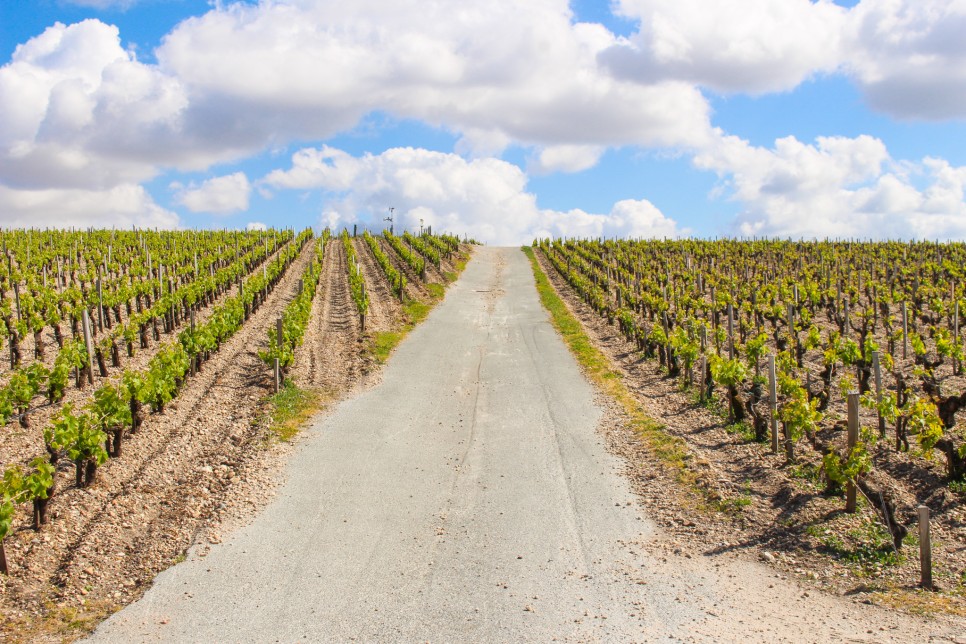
pixel 290 409
pixel 921 602
pixel 958 487
pixel 808 472
pixel 56 622
pixel 732 505
pixel 743 429
pixel 458 266
pixel 671 450
pixel 867 546
pixel 735 505
pixel 711 403
pixel 382 344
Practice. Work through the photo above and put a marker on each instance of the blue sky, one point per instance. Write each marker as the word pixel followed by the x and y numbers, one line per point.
pixel 503 120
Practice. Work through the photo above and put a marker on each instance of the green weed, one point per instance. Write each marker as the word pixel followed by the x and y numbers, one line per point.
pixel 290 409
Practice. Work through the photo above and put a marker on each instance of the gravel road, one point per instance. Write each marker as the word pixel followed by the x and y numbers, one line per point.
pixel 469 497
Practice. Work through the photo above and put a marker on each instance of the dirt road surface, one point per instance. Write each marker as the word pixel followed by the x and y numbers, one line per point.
pixel 469 497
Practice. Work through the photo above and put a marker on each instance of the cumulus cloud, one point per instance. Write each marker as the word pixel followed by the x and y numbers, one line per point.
pixel 485 198
pixel 565 158
pixel 306 69
pixel 838 187
pixel 123 206
pixel 729 45
pixel 324 167
pixel 255 225
pixel 909 56
pixel 81 112
pixel 219 195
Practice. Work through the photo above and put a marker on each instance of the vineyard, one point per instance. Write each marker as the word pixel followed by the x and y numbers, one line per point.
pixel 814 386
pixel 137 385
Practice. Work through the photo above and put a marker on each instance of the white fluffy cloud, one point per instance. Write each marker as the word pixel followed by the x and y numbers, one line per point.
pixel 729 45
pixel 81 112
pixel 565 158
pixel 497 72
pixel 82 116
pixel 122 206
pixel 838 187
pixel 485 198
pixel 909 56
pixel 219 195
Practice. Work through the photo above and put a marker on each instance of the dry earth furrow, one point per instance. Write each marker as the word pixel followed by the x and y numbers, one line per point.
pixel 477 502
pixel 779 512
pixel 19 445
pixel 331 358
pixel 106 542
pixel 383 306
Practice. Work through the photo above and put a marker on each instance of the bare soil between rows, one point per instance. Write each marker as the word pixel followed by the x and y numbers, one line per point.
pixel 203 467
pixel 772 511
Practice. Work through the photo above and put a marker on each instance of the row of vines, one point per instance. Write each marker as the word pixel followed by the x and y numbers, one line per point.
pixel 144 311
pixel 145 301
pixel 788 332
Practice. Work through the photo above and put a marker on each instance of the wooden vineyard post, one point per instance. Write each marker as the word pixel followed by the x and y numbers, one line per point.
pixel 956 335
pixel 877 372
pixel 196 359
pixel 16 298
pixel 731 332
pixel 100 301
pixel 905 331
pixel 704 371
pixel 925 549
pixel 853 439
pixel 773 403
pixel 278 343
pixel 86 324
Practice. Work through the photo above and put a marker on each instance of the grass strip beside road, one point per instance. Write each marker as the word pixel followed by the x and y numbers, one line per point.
pixel 414 312
pixel 291 409
pixel 670 450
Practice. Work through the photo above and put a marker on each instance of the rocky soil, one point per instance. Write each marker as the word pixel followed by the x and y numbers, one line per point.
pixel 202 467
pixel 765 508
